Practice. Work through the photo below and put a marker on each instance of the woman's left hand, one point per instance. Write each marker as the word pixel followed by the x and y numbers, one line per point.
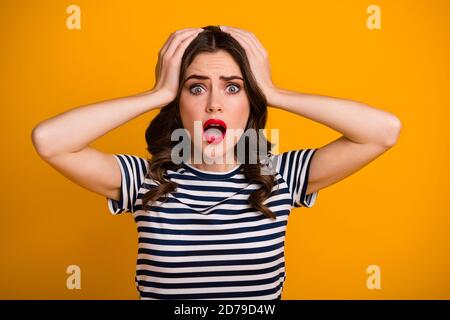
pixel 258 59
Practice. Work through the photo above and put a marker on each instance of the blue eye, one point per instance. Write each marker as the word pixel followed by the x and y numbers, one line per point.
pixel 235 85
pixel 197 92
pixel 192 87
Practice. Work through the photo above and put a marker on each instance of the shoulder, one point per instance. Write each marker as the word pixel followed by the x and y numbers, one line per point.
pixel 132 165
pixel 287 161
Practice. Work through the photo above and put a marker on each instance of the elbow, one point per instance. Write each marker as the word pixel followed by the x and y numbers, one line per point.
pixel 38 140
pixel 392 131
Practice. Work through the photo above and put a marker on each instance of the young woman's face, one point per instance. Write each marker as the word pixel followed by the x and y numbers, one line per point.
pixel 206 95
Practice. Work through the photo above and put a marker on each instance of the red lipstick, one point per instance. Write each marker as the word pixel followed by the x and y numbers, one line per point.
pixel 214 121
pixel 214 130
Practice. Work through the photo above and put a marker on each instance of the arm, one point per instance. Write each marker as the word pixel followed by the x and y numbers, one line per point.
pixel 74 130
pixel 367 133
pixel 63 141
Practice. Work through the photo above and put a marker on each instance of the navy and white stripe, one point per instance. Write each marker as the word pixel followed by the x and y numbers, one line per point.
pixel 133 170
pixel 294 168
pixel 205 241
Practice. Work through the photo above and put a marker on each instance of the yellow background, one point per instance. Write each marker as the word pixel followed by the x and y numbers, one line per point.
pixel 393 213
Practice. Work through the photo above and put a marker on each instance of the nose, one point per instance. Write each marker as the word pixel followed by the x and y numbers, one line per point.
pixel 214 103
pixel 214 108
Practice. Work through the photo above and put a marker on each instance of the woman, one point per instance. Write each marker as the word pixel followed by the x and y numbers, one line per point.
pixel 212 229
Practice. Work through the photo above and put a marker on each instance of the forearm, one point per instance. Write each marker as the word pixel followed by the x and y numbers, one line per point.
pixel 75 129
pixel 356 121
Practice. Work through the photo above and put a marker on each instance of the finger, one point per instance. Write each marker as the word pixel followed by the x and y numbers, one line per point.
pixel 166 46
pixel 172 37
pixel 178 53
pixel 245 43
pixel 256 45
pixel 254 40
pixel 157 71
pixel 178 39
pixel 174 34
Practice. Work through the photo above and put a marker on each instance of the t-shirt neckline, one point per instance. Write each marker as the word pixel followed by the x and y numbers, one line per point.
pixel 213 175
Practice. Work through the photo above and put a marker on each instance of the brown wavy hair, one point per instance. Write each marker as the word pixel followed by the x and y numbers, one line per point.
pixel 158 133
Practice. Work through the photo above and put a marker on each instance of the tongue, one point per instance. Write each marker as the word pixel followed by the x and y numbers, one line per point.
pixel 213 135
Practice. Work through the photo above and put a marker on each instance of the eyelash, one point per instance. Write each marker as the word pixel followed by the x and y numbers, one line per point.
pixel 197 85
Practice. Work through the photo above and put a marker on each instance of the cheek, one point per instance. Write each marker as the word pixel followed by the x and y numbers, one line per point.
pixel 241 114
pixel 189 112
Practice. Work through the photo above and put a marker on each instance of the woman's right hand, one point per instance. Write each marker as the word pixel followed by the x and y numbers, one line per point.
pixel 167 71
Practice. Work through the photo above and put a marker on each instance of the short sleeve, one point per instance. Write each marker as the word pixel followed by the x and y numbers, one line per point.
pixel 294 166
pixel 132 170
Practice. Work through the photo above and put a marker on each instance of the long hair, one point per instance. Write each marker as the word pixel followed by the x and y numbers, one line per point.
pixel 158 133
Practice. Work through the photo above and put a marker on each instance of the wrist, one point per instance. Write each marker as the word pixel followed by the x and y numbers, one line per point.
pixel 156 98
pixel 272 96
pixel 164 96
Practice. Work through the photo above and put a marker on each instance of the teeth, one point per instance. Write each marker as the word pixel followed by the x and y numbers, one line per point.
pixel 215 125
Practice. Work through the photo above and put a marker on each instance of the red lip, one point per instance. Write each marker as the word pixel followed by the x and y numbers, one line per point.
pixel 214 121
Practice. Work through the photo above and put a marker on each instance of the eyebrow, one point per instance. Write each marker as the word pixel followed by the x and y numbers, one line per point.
pixel 201 77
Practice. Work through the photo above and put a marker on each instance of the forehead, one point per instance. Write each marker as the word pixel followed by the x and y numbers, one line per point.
pixel 217 64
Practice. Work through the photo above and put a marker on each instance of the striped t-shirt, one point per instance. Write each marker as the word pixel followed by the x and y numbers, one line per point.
pixel 205 241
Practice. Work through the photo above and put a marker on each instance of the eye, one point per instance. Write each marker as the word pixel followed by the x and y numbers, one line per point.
pixel 236 86
pixel 195 89
pixel 196 92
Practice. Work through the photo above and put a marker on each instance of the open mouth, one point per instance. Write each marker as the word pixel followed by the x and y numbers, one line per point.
pixel 214 130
